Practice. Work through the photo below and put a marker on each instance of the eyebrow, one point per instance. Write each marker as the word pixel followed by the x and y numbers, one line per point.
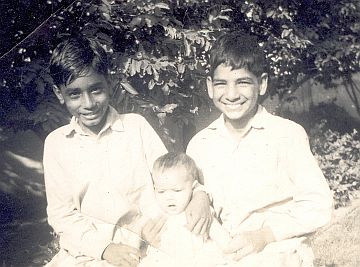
pixel 71 90
pixel 239 79
pixel 96 84
pixel 245 79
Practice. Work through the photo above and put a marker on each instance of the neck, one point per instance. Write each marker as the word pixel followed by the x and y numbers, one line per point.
pixel 95 130
pixel 238 128
pixel 92 131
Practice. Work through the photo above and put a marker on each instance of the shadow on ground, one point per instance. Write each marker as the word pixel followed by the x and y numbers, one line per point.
pixel 24 232
pixel 27 240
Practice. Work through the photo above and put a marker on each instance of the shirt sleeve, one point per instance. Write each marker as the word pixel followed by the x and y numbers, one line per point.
pixel 193 151
pixel 152 144
pixel 312 202
pixel 78 233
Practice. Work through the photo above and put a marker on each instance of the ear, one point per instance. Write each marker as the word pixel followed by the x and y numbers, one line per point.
pixel 210 87
pixel 58 94
pixel 263 83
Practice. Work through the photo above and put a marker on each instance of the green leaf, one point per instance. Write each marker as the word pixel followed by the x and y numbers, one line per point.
pixel 104 37
pixel 40 85
pixel 286 33
pixel 137 21
pixel 151 84
pixel 162 5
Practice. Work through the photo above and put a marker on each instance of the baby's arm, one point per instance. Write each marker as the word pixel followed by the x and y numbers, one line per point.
pixel 152 219
pixel 218 234
pixel 140 233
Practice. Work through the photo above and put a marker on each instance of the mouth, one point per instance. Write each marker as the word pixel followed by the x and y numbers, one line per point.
pixel 236 105
pixel 90 115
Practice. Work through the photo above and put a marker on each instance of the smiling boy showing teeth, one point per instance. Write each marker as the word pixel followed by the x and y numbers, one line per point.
pixel 266 186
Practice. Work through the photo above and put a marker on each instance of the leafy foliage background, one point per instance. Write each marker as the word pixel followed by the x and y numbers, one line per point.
pixel 335 141
pixel 159 51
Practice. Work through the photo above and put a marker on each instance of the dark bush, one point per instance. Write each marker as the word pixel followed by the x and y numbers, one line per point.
pixel 335 142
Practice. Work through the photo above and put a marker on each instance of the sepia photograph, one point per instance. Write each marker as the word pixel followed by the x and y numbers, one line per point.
pixel 180 133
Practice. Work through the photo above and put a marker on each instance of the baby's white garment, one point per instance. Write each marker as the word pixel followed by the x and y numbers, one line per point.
pixel 179 247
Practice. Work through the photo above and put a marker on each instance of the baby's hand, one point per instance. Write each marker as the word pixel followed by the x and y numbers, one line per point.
pixel 151 232
pixel 250 242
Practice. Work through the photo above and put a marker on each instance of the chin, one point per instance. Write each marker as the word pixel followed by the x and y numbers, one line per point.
pixel 91 123
pixel 234 116
pixel 172 212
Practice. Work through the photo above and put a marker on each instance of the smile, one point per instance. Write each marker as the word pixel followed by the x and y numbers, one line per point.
pixel 91 115
pixel 234 105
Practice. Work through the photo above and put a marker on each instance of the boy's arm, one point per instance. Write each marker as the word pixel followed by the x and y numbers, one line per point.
pixel 121 255
pixel 249 242
pixel 312 202
pixel 77 233
pixel 310 208
pixel 198 214
pixel 241 244
pixel 153 146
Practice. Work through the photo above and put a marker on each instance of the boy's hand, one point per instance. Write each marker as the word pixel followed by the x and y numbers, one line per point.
pixel 121 255
pixel 151 231
pixel 250 242
pixel 198 214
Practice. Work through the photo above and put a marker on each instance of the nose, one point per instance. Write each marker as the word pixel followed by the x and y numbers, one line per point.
pixel 232 93
pixel 168 195
pixel 88 101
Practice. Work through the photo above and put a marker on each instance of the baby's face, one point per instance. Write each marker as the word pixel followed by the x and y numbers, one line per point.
pixel 173 189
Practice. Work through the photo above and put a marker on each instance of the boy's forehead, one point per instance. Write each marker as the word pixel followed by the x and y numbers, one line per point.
pixel 90 79
pixel 225 70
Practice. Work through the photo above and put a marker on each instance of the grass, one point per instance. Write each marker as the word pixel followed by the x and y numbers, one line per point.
pixel 339 243
pixel 26 238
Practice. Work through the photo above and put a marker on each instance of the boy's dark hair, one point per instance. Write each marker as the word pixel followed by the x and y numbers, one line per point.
pixel 173 159
pixel 238 50
pixel 75 57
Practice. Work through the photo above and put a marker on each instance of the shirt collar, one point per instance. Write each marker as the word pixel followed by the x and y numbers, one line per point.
pixel 112 122
pixel 259 121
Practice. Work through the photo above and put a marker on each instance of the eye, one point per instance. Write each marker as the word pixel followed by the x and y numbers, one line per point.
pixel 73 94
pixel 219 83
pixel 160 191
pixel 97 90
pixel 244 82
pixel 178 190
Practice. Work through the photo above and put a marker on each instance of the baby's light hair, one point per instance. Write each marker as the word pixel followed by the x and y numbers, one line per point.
pixel 173 160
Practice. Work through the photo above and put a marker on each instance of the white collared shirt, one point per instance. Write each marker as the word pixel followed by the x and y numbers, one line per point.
pixel 268 178
pixel 91 182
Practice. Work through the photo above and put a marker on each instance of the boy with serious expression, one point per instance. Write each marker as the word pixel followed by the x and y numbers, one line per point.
pixel 173 189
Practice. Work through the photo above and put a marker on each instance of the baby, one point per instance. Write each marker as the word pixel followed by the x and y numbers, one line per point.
pixel 175 176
